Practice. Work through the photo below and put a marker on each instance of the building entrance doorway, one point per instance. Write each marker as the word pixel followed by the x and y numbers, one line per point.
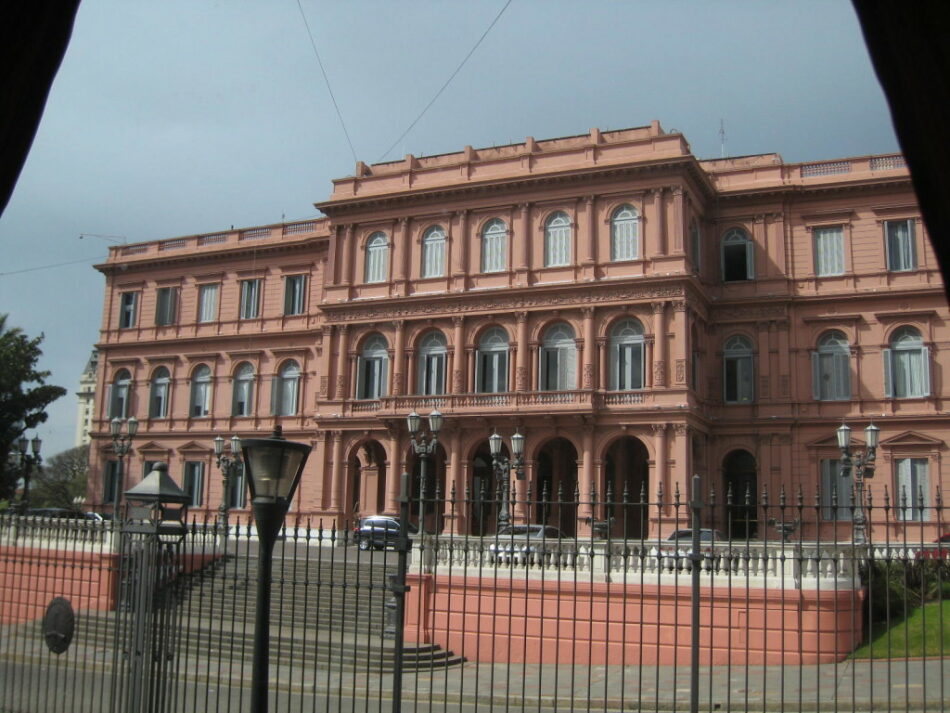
pixel 741 486
pixel 626 489
pixel 555 486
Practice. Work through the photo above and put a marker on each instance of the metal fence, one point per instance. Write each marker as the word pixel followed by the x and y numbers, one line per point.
pixel 557 610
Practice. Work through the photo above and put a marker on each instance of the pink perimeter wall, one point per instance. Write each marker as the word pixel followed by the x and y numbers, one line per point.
pixel 541 621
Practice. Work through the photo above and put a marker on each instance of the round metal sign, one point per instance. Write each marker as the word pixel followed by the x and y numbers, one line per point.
pixel 59 623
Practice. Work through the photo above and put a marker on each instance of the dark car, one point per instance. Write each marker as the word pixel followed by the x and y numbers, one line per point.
pixel 526 543
pixel 379 531
pixel 56 512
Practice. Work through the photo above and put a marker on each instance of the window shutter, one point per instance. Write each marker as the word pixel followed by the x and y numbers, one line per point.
pixel 841 363
pixel 275 395
pixel 904 490
pixel 750 260
pixel 925 371
pixel 888 375
pixel 569 369
pixel 816 377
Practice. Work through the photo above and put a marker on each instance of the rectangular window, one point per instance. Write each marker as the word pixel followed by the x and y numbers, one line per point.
pixel 111 481
pixel 207 303
pixel 148 466
pixel 831 375
pixel 738 380
pixel 913 489
pixel 294 293
pixel 128 307
pixel 433 257
pixel 493 251
pixel 557 369
pixel 237 496
pixel 628 372
pixel 836 498
pixel 166 306
pixel 829 250
pixel 371 378
pixel 194 482
pixel 492 372
pixel 899 239
pixel 907 373
pixel 250 299
pixel 432 374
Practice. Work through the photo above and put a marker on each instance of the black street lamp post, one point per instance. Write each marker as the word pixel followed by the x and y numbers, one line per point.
pixel 122 447
pixel 502 466
pixel 273 469
pixel 423 444
pixel 858 466
pixel 229 465
pixel 29 455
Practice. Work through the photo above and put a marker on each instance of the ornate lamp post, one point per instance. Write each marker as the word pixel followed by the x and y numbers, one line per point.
pixel 273 468
pixel 423 444
pixel 27 461
pixel 229 465
pixel 122 447
pixel 858 466
pixel 502 466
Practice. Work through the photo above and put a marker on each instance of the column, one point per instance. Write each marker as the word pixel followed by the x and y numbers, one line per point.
pixel 677 229
pixel 336 468
pixel 342 345
pixel 659 229
pixel 784 360
pixel 460 248
pixel 522 238
pixel 585 512
pixel 454 485
pixel 682 475
pixel 602 381
pixel 762 367
pixel 587 239
pixel 659 349
pixel 393 472
pixel 661 463
pixel 521 378
pixel 400 255
pixel 458 355
pixel 588 377
pixel 346 269
pixel 470 370
pixel 680 342
pixel 399 357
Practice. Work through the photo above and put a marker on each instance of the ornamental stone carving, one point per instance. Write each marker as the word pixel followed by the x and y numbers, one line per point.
pixel 659 373
pixel 680 371
pixel 521 378
pixel 588 376
pixel 324 386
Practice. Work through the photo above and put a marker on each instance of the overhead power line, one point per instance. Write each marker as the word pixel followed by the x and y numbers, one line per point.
pixel 326 79
pixel 447 81
pixel 48 267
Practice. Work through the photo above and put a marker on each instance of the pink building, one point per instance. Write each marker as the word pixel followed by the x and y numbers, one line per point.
pixel 638 314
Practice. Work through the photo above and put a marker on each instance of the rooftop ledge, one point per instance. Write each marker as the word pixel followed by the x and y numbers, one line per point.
pixel 260 235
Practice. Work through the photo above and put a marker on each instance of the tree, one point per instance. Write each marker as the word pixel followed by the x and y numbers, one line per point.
pixel 61 480
pixel 24 396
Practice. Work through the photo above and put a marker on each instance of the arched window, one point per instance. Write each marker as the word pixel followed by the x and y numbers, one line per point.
pixel 377 258
pixel 494 246
pixel 626 356
pixel 558 359
pixel 625 234
pixel 557 240
pixel 738 373
pixel 738 256
pixel 121 390
pixel 242 398
pixel 433 252
pixel 831 368
pixel 491 362
pixel 158 393
pixel 200 392
pixel 906 365
pixel 431 374
pixel 371 374
pixel 285 389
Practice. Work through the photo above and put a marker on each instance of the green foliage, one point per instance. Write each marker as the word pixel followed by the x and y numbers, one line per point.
pixel 925 632
pixel 896 587
pixel 24 395
pixel 61 480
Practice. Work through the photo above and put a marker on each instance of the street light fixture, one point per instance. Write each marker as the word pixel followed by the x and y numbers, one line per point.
pixel 502 466
pixel 274 466
pixel 122 447
pixel 27 461
pixel 230 466
pixel 423 444
pixel 858 466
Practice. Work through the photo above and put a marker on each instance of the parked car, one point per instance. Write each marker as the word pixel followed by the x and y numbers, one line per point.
pixel 379 531
pixel 705 535
pixel 526 544
pixel 676 548
pixel 56 513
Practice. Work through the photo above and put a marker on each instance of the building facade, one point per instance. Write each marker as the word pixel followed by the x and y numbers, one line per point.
pixel 638 314
pixel 86 397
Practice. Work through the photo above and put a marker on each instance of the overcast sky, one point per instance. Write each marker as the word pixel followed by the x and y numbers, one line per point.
pixel 188 116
